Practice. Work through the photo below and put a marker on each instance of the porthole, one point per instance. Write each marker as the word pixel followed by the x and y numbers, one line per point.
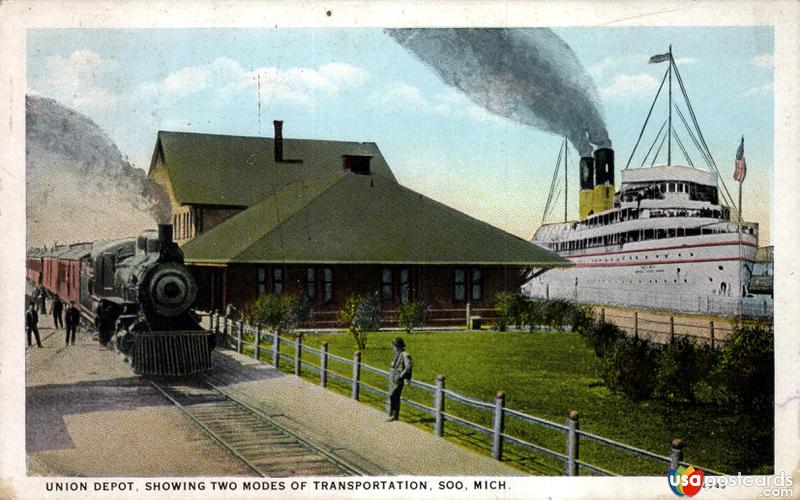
pixel 710 278
pixel 720 268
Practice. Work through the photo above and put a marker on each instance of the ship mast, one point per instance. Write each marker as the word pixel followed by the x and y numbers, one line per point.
pixel 669 125
pixel 566 179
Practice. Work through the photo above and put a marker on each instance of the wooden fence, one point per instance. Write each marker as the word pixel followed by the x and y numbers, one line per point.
pixel 263 344
pixel 663 329
pixel 436 317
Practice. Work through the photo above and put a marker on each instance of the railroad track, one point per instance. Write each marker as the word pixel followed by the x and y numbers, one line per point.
pixel 266 447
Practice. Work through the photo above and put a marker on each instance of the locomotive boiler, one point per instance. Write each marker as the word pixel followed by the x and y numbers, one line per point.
pixel 143 294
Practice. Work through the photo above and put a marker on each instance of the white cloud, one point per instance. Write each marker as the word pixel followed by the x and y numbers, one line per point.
pixel 399 95
pixel 760 90
pixel 763 60
pixel 630 86
pixel 80 80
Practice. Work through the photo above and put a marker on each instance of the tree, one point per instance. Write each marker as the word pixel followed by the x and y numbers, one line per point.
pixel 361 314
pixel 411 315
pixel 279 312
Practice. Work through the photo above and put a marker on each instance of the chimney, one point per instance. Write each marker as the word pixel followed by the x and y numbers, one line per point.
pixel 358 164
pixel 587 172
pixel 278 140
pixel 604 166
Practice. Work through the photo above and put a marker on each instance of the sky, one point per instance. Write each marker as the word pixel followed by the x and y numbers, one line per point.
pixel 360 85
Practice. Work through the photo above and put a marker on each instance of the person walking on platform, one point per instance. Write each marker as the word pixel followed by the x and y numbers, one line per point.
pixel 399 374
pixel 58 309
pixel 73 319
pixel 32 324
pixel 42 301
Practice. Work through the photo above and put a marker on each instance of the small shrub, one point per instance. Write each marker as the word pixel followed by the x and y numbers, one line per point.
pixel 630 368
pixel 581 319
pixel 506 305
pixel 279 312
pixel 556 314
pixel 745 372
pixel 411 315
pixel 681 366
pixel 532 313
pixel 601 337
pixel 361 314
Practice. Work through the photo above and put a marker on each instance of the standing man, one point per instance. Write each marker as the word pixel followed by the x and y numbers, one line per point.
pixel 73 319
pixel 58 309
pixel 32 324
pixel 43 299
pixel 399 374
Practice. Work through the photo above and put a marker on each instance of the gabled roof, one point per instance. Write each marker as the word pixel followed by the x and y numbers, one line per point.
pixel 239 171
pixel 347 218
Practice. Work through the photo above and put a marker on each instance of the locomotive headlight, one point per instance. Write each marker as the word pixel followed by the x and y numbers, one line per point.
pixel 171 289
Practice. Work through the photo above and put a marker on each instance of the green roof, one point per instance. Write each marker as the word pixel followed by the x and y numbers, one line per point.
pixel 240 171
pixel 347 218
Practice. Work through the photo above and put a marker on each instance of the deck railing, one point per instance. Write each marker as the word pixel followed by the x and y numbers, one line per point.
pixel 247 338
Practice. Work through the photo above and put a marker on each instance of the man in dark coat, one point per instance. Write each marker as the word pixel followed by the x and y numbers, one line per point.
pixel 32 324
pixel 399 373
pixel 58 309
pixel 42 301
pixel 73 319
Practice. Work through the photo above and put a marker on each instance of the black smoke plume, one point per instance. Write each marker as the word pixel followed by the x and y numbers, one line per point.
pixel 79 186
pixel 529 75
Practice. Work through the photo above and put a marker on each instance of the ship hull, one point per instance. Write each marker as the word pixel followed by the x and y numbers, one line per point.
pixel 705 274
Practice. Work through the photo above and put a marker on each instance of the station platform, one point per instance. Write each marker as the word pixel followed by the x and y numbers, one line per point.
pixel 88 414
pixel 351 430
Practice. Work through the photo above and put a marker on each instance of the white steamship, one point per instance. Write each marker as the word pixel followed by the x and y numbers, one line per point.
pixel 664 240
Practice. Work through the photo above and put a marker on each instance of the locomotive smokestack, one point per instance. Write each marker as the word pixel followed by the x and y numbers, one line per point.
pixel 278 140
pixel 164 234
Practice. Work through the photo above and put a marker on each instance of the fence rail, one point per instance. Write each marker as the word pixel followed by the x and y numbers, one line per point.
pixel 241 336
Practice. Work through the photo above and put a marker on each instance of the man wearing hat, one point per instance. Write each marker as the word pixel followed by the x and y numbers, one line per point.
pixel 399 373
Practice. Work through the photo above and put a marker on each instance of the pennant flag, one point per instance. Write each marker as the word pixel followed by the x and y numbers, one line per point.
pixel 740 171
pixel 659 58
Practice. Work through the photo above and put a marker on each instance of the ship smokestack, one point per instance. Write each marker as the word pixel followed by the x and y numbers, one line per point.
pixel 603 192
pixel 586 195
pixel 604 166
pixel 587 172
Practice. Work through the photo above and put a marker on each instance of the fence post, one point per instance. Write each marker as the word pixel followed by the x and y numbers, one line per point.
pixel 602 315
pixel 469 313
pixel 438 406
pixel 356 374
pixel 323 364
pixel 239 337
pixel 675 453
pixel 672 329
pixel 258 342
pixel 711 330
pixel 216 323
pixel 499 414
pixel 276 348
pixel 636 324
pixel 298 351
pixel 572 443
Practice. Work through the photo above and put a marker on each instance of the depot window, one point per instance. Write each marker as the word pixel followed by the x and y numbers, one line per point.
pixel 261 280
pixel 327 278
pixel 386 285
pixel 277 280
pixel 311 283
pixel 405 286
pixel 459 285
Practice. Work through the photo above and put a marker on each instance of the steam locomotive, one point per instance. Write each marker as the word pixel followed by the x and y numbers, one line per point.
pixel 138 294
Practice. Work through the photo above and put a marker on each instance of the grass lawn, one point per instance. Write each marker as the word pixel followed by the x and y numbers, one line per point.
pixel 547 374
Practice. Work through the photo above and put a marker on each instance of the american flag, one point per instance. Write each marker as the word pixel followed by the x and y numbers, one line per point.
pixel 740 171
